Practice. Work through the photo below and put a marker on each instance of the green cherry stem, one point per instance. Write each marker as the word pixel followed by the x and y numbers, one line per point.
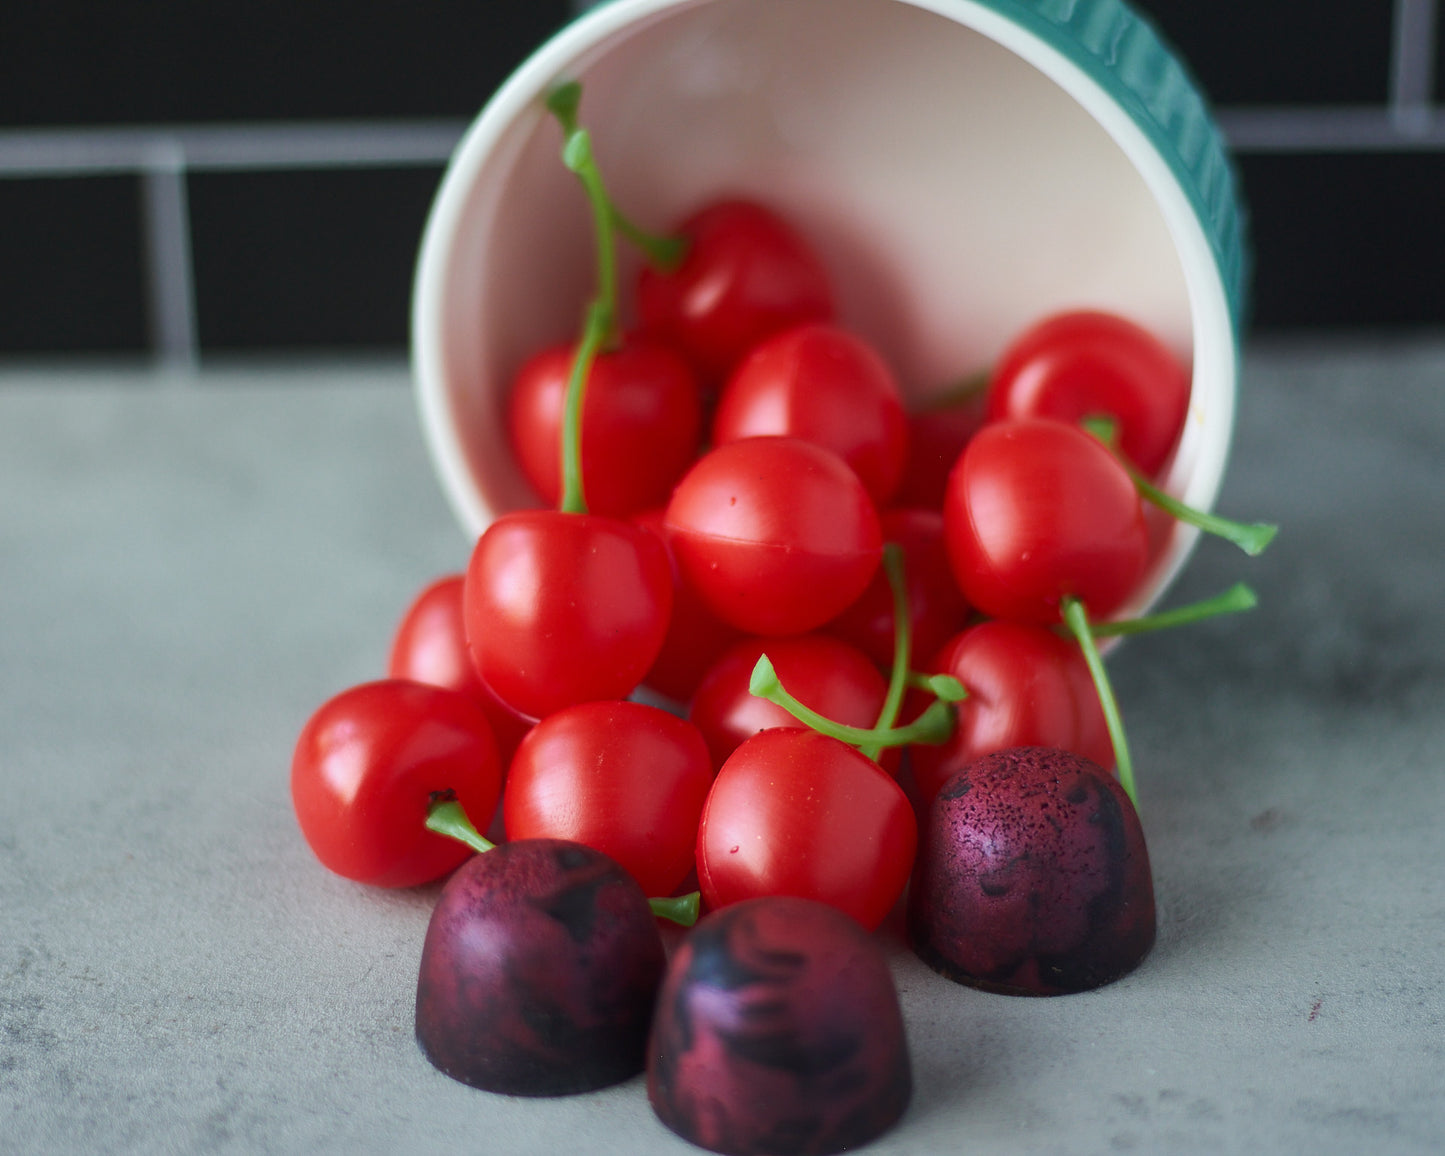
pixel 445 816
pixel 943 686
pixel 893 565
pixel 680 909
pixel 1237 598
pixel 600 329
pixel 563 102
pixel 600 325
pixel 594 336
pixel 933 726
pixel 1078 622
pixel 577 156
pixel 1251 537
pixel 663 253
pixel 960 392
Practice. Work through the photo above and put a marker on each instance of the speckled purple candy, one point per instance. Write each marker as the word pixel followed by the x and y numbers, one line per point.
pixel 1033 877
pixel 778 1031
pixel 539 971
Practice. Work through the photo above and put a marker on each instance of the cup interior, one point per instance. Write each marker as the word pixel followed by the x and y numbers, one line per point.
pixel 960 178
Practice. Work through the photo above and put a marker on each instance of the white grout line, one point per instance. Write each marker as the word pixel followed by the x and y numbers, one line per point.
pixel 170 271
pixel 163 156
pixel 1336 129
pixel 1412 65
pixel 284 145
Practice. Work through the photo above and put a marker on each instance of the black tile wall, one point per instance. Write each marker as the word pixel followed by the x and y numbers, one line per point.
pixel 324 259
pixel 107 62
pixel 1282 51
pixel 296 259
pixel 71 276
pixel 1348 240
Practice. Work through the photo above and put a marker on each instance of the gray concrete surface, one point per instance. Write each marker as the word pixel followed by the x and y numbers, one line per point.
pixel 189 566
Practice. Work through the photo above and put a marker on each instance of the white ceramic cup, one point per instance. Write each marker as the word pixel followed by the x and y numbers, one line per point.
pixel 964 167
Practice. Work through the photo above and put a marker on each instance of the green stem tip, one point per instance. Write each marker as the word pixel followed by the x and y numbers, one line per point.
pixel 1237 598
pixel 663 253
pixel 600 328
pixel 965 391
pixel 563 102
pixel 943 686
pixel 680 909
pixel 1251 537
pixel 445 816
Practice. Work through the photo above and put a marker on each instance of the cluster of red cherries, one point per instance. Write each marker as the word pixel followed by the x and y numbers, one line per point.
pixel 763 624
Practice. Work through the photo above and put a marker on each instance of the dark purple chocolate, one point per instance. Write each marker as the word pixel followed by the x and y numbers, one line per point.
pixel 1032 877
pixel 539 971
pixel 778 1031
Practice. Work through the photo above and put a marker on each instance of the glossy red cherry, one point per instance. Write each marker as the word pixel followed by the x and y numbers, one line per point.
pixel 822 672
pixel 776 535
pixel 565 608
pixel 430 645
pixel 747 274
pixel 1027 686
pixel 365 767
pixel 936 607
pixel 624 778
pixel 1089 363
pixel 828 386
pixel 795 812
pixel 1037 510
pixel 641 421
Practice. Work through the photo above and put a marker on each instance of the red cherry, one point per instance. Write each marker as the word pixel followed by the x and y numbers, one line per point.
pixel 1036 510
pixel 936 439
pixel 936 607
pixel 565 608
pixel 747 275
pixel 430 646
pixel 823 673
pixel 794 812
pixel 776 535
pixel 696 637
pixel 827 386
pixel 1027 687
pixel 1088 363
pixel 641 420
